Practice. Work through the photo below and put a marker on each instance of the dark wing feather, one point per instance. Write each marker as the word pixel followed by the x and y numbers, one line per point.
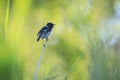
pixel 43 30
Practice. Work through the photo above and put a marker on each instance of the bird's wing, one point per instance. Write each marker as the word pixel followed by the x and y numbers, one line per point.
pixel 43 30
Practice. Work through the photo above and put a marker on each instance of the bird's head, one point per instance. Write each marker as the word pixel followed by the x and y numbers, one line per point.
pixel 51 25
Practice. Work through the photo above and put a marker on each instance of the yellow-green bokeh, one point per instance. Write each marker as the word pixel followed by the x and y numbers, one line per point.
pixel 76 50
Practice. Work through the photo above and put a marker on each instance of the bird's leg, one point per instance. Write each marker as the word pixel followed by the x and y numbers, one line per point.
pixel 45 43
pixel 46 39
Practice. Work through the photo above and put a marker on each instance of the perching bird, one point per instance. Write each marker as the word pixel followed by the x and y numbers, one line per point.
pixel 45 32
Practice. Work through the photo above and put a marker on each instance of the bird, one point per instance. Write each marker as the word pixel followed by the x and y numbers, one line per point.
pixel 45 32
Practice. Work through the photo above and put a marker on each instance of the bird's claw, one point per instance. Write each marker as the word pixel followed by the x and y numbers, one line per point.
pixel 44 45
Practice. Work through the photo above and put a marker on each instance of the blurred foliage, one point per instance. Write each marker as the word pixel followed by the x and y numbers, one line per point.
pixel 84 46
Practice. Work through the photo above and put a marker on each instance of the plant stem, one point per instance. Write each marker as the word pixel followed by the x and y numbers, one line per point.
pixel 72 68
pixel 40 60
pixel 6 19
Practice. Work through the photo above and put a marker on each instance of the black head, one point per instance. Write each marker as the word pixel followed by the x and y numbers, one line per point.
pixel 50 25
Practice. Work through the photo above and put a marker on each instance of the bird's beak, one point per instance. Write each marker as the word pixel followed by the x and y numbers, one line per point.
pixel 54 24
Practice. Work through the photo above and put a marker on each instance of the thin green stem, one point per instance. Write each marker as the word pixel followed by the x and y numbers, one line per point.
pixel 6 19
pixel 72 68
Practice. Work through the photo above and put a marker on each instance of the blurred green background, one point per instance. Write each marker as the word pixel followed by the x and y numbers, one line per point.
pixel 84 46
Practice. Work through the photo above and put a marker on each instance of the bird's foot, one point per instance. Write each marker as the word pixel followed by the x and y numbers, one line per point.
pixel 44 45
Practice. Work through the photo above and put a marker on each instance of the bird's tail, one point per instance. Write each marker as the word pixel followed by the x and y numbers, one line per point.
pixel 38 38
